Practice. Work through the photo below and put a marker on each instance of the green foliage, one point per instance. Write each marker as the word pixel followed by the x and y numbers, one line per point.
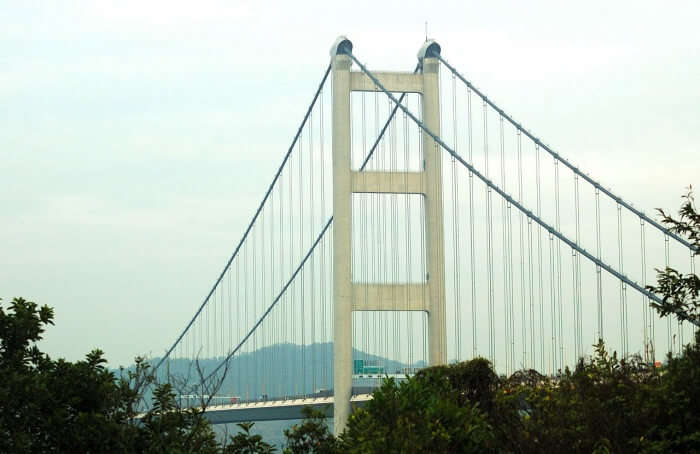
pixel 59 406
pixel 425 413
pixel 675 402
pixel 607 404
pixel 679 292
pixel 312 436
pixel 246 443
pixel 53 405
pixel 166 428
pixel 594 408
pixel 471 382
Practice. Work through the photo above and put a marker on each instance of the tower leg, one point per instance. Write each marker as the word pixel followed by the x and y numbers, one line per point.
pixel 342 238
pixel 432 153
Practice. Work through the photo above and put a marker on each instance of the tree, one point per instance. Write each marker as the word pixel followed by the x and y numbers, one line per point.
pixel 675 401
pixel 426 413
pixel 167 428
pixel 246 443
pixel 679 292
pixel 55 406
pixel 311 436
pixel 60 406
pixel 603 405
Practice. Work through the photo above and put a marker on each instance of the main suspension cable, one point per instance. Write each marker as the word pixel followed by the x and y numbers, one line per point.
pixel 500 192
pixel 558 157
pixel 252 222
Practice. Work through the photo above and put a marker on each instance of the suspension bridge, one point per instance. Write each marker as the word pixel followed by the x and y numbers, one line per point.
pixel 413 222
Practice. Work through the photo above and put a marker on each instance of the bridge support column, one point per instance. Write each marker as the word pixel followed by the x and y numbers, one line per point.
pixel 432 153
pixel 427 182
pixel 342 236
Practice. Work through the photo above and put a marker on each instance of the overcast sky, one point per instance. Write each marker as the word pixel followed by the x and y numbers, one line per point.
pixel 136 137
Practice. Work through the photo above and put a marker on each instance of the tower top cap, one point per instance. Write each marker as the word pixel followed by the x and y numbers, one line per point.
pixel 430 48
pixel 341 46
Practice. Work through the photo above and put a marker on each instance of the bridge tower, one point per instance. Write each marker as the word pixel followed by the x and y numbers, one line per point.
pixel 427 182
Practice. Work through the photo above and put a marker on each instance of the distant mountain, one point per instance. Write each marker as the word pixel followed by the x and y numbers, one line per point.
pixel 276 371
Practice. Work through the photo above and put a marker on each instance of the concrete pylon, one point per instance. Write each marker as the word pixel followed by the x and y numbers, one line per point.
pixel 342 235
pixel 428 296
pixel 432 153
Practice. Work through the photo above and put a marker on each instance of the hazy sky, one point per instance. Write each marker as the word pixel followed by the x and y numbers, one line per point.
pixel 136 137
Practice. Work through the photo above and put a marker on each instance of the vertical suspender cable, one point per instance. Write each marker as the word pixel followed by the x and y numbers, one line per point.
pixel 540 291
pixel 523 341
pixel 354 219
pixel 455 225
pixel 409 256
pixel 577 345
pixel 527 298
pixel 376 240
pixel 384 320
pixel 559 291
pixel 531 293
pixel 423 264
pixel 302 293
pixel 263 299
pixel 245 305
pixel 283 312
pixel 254 304
pixel 555 366
pixel 511 285
pixel 441 250
pixel 322 273
pixel 222 314
pixel 623 291
pixel 577 270
pixel 392 239
pixel 312 312
pixel 649 317
pixel 211 320
pixel 213 352
pixel 230 310
pixel 363 224
pixel 376 237
pixel 191 338
pixel 239 322
pixel 215 322
pixel 437 152
pixel 222 317
pixel 388 227
pixel 292 312
pixel 669 334
pixel 274 341
pixel 598 271
pixel 504 240
pixel 206 325
pixel 489 239
pixel 472 270
pixel 511 291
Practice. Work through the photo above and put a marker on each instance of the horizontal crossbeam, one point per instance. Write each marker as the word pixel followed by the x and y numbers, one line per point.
pixel 393 81
pixel 388 182
pixel 390 297
pixel 508 198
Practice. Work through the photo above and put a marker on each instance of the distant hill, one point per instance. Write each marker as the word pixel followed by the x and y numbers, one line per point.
pixel 274 371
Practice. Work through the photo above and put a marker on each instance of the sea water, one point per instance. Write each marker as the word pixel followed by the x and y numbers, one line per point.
pixel 272 432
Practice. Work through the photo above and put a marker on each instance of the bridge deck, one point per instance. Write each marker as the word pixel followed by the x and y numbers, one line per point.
pixel 274 410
